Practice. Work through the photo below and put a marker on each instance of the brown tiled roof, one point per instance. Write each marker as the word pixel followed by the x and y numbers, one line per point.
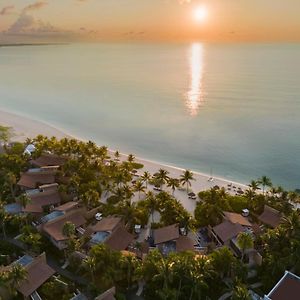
pixel 184 243
pixel 32 208
pixel 54 228
pixel 165 234
pixel 119 239
pixel 48 197
pixel 237 218
pixel 106 224
pixel 31 180
pixel 37 273
pixel 287 288
pixel 270 216
pixel 108 295
pixel 48 160
pixel 92 212
pixel 227 230
pixel 67 206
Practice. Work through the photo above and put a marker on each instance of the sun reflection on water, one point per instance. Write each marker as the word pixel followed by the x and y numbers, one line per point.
pixel 195 93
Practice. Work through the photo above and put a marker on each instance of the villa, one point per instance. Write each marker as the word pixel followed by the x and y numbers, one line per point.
pixel 237 219
pixel 270 217
pixel 54 228
pixel 112 232
pixel 40 198
pixel 288 287
pixel 36 177
pixel 47 159
pixel 223 233
pixel 16 209
pixel 38 272
pixel 45 195
pixel 168 239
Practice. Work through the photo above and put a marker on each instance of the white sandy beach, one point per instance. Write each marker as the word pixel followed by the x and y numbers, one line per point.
pixel 25 127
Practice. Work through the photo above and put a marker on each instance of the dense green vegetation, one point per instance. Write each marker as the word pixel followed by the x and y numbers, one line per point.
pixel 91 175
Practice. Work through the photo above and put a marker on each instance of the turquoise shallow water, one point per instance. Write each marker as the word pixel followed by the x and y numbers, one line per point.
pixel 230 108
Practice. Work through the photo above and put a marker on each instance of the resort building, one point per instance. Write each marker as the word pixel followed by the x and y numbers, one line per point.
pixel 226 233
pixel 111 232
pixel 54 228
pixel 36 177
pixel 59 211
pixel 38 272
pixel 270 217
pixel 288 287
pixel 44 196
pixel 47 159
pixel 168 239
pixel 237 219
pixel 17 208
pixel 223 233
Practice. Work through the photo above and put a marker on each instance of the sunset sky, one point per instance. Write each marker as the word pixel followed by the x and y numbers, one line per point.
pixel 163 20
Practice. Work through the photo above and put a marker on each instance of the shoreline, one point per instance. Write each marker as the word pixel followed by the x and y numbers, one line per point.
pixel 25 127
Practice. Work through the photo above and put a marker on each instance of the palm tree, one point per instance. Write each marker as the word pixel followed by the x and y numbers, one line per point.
pixel 4 217
pixel 91 198
pixel 173 183
pixel 222 261
pixel 90 264
pixel 139 187
pixel 24 200
pixel 244 241
pixel 131 158
pixel 151 204
pixel 128 193
pixel 11 182
pixel 249 194
pixel 273 191
pixel 254 185
pixel 68 229
pixel 291 224
pixel 145 178
pixel 128 212
pixel 240 292
pixel 186 178
pixel 102 152
pixel 16 275
pixel 265 182
pixel 117 155
pixel 32 241
pixel 293 197
pixel 128 266
pixel 162 176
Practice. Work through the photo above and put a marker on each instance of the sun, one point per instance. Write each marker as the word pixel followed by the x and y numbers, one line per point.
pixel 200 13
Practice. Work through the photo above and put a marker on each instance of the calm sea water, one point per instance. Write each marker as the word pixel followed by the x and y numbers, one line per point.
pixel 232 109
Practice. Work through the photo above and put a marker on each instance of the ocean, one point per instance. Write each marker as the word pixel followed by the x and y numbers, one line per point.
pixel 232 110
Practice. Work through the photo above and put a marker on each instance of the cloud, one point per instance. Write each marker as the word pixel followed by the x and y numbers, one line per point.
pixel 27 25
pixel 23 23
pixel 6 10
pixel 35 6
